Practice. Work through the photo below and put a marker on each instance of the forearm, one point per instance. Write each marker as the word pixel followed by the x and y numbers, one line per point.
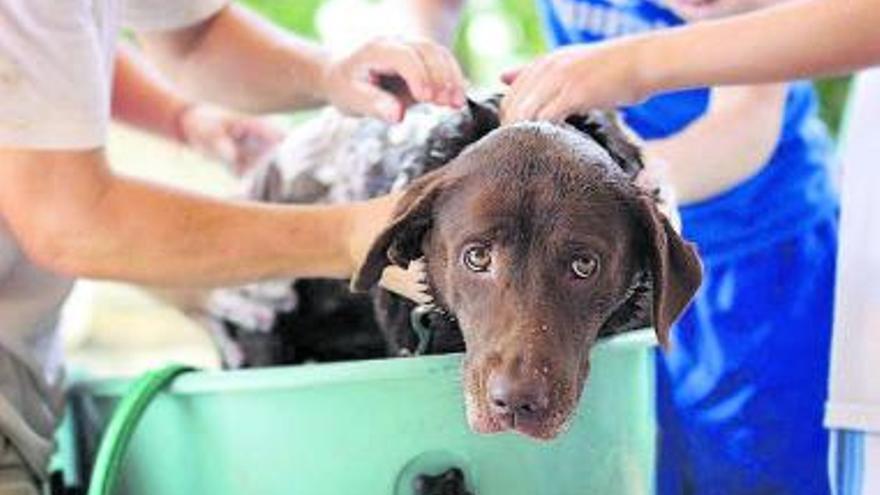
pixel 81 220
pixel 146 234
pixel 238 60
pixel 794 40
pixel 142 99
pixel 731 143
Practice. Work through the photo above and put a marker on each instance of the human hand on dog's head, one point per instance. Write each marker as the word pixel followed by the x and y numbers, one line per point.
pixel 575 80
pixel 235 140
pixel 385 76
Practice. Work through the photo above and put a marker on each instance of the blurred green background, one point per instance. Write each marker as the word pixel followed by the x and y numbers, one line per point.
pixel 493 35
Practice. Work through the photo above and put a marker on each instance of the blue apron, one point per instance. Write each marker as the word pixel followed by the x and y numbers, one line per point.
pixel 740 394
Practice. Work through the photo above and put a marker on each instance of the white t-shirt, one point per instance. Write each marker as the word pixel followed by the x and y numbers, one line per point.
pixel 854 399
pixel 56 67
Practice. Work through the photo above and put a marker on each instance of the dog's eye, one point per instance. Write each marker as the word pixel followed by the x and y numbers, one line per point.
pixel 477 258
pixel 584 267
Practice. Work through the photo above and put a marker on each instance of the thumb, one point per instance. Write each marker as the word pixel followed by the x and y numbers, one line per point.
pixel 371 100
pixel 509 76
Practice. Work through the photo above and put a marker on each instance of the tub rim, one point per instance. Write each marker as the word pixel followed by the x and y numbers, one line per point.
pixel 322 374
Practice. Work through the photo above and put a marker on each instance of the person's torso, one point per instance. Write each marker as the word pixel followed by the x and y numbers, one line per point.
pixel 42 43
pixel 791 191
pixel 31 360
pixel 854 400
pixel 30 298
pixel 78 41
pixel 56 68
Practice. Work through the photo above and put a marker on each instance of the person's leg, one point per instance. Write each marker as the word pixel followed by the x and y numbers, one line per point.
pixel 747 373
pixel 854 462
pixel 15 477
pixel 871 467
pixel 29 412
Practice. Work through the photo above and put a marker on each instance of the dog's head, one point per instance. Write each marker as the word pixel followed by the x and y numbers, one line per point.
pixel 537 239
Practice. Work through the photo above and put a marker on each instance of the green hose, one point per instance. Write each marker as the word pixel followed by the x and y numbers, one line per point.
pixel 121 428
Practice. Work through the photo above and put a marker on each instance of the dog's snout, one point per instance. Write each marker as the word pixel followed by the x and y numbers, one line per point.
pixel 517 400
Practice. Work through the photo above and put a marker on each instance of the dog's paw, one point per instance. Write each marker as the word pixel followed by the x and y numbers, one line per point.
pixel 449 482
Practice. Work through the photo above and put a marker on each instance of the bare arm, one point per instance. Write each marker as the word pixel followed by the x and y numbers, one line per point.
pixel 238 60
pixel 791 41
pixel 142 99
pixel 794 40
pixel 727 145
pixel 797 39
pixel 72 215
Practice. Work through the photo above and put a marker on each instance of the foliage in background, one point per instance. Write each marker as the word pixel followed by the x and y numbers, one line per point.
pixel 832 98
pixel 295 15
pixel 524 34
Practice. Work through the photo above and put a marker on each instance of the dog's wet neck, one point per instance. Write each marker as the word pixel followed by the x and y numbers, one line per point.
pixel 633 310
pixel 425 319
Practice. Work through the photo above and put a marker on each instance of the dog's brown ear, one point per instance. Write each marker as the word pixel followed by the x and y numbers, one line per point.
pixel 605 128
pixel 676 271
pixel 449 138
pixel 401 241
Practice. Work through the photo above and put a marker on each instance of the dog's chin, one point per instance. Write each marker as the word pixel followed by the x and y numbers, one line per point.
pixel 484 423
pixel 544 433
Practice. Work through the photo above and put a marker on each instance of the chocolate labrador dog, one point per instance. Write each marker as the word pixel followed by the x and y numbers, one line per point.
pixel 537 241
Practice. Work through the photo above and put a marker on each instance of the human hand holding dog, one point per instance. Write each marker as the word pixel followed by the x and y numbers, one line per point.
pixel 574 80
pixel 236 140
pixel 385 76
pixel 144 99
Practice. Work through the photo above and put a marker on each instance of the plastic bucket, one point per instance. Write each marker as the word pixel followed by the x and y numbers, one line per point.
pixel 371 427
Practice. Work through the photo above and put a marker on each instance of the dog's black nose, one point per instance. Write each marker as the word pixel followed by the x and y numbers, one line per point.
pixel 516 400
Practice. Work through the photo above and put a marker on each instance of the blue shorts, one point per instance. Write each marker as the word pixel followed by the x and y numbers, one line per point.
pixel 742 390
pixel 847 462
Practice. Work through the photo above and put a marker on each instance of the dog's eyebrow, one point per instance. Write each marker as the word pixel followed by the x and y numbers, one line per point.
pixel 586 242
pixel 493 233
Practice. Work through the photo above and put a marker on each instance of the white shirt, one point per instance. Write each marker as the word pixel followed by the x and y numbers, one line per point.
pixel 56 68
pixel 854 399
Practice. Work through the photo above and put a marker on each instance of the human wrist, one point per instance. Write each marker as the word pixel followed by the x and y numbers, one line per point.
pixel 179 124
pixel 649 70
pixel 350 218
pixel 669 60
pixel 364 222
pixel 343 227
pixel 320 71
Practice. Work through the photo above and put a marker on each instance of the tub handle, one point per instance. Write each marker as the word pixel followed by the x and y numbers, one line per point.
pixel 449 482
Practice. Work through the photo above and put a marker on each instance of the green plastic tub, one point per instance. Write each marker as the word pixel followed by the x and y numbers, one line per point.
pixel 370 428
